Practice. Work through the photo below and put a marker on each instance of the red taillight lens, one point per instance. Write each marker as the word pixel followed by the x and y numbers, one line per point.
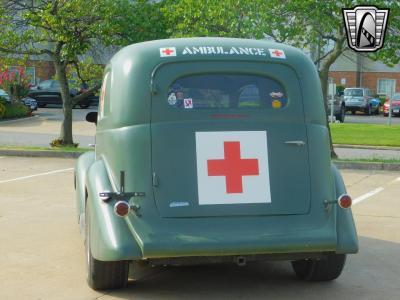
pixel 345 201
pixel 122 208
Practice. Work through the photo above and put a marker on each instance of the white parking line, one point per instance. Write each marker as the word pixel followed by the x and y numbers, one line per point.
pixel 36 175
pixel 367 195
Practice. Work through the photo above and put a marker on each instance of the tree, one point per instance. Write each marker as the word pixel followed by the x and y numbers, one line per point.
pixel 302 23
pixel 64 30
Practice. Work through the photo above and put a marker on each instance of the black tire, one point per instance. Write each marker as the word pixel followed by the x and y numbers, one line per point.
pixel 103 275
pixel 41 105
pixel 353 112
pixel 325 269
pixel 340 117
pixel 368 110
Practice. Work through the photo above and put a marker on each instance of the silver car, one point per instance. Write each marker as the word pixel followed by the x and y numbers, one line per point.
pixel 361 99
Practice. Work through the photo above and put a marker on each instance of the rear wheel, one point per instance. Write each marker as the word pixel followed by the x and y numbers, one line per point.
pixel 340 117
pixel 102 275
pixel 368 110
pixel 325 269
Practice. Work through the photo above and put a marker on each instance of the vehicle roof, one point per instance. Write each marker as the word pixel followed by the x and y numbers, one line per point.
pixel 133 68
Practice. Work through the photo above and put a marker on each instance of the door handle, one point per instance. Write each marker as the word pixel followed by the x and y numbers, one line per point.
pixel 297 143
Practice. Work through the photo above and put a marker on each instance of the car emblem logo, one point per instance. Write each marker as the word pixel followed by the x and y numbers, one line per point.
pixel 365 27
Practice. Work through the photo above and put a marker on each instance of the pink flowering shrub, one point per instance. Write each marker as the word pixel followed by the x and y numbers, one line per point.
pixel 15 83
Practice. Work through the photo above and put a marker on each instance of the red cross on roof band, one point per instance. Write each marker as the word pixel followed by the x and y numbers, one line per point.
pixel 167 51
pixel 277 53
pixel 232 167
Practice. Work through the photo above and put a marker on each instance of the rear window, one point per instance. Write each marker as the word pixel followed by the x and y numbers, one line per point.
pixel 353 92
pixel 226 91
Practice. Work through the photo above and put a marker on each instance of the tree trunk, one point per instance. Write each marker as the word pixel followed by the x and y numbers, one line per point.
pixel 66 138
pixel 323 76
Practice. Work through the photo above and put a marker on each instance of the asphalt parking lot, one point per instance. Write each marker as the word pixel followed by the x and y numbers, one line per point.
pixel 42 255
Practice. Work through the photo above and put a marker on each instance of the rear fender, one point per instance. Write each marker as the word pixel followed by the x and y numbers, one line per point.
pixel 81 168
pixel 110 238
pixel 347 241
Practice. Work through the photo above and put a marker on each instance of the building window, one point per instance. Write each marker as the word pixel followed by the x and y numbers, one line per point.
pixel 386 87
pixel 29 71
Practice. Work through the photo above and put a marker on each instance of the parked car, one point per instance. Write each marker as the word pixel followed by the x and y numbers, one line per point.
pixel 218 152
pixel 395 106
pixel 361 99
pixel 29 102
pixel 4 95
pixel 48 92
pixel 91 100
pixel 339 108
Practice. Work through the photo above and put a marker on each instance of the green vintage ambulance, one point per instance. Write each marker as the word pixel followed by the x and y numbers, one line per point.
pixel 211 150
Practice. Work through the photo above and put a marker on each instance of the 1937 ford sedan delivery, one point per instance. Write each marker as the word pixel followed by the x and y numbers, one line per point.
pixel 211 150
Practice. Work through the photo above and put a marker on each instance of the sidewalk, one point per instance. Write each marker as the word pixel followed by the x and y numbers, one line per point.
pixel 347 152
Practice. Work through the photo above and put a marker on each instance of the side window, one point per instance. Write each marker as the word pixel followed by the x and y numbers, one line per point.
pixel 104 96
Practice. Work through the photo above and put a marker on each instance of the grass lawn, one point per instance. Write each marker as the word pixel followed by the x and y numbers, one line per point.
pixel 366 134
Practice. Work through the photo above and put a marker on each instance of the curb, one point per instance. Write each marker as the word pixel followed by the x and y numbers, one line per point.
pixel 17 119
pixel 40 153
pixel 367 166
pixel 366 147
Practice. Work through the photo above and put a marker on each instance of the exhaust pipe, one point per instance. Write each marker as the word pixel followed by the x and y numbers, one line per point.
pixel 240 261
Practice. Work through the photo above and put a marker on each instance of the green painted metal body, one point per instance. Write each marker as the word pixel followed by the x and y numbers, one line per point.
pixel 155 146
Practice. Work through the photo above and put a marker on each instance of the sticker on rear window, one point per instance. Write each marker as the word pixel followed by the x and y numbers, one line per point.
pixel 188 103
pixel 172 99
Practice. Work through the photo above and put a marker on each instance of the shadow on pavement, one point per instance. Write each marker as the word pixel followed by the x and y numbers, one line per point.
pixel 370 274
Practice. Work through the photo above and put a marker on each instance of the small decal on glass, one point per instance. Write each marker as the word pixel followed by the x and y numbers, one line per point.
pixel 188 103
pixel 172 99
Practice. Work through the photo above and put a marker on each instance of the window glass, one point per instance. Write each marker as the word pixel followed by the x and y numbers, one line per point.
pixel 45 84
pixel 353 92
pixel 103 95
pixel 30 71
pixel 226 91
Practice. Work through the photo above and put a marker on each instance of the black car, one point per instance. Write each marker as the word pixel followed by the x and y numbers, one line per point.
pixel 48 92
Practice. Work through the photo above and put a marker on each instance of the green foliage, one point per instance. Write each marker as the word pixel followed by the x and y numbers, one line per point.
pixel 301 23
pixel 15 110
pixel 85 71
pixel 2 108
pixel 64 31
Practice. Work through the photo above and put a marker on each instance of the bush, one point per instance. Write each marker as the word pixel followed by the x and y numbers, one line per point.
pixel 2 110
pixel 14 111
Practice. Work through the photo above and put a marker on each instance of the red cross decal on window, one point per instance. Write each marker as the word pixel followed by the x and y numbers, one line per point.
pixel 233 167
pixel 167 51
pixel 277 53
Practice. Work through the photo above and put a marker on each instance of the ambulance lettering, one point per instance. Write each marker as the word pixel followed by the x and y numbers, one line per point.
pixel 232 167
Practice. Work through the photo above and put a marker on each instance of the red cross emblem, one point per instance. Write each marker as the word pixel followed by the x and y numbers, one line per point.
pixel 233 167
pixel 276 53
pixel 169 51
